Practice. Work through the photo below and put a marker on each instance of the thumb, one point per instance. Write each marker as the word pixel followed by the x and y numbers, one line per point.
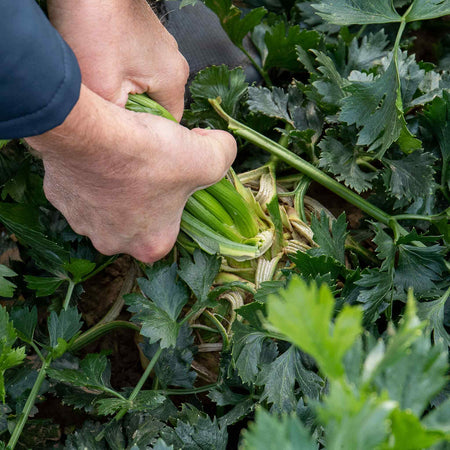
pixel 218 151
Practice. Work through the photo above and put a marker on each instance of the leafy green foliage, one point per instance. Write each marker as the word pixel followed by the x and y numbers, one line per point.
pixel 343 162
pixel 290 433
pixel 427 9
pixel 62 328
pixel 9 356
pixel 372 105
pixel 349 12
pixel 330 242
pixel 6 286
pixel 411 176
pixel 236 24
pixel 302 313
pixel 158 309
pixel 199 273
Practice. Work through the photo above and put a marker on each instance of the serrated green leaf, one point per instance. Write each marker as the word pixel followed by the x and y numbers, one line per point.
pixel 164 289
pixel 23 221
pixel 303 314
pixel 161 445
pixel 6 287
pixel 246 351
pixel 213 82
pixel 330 84
pixel 368 53
pixel 63 326
pixel 350 12
pixel 270 432
pixel 145 401
pixel 433 312
pixel 419 267
pixel 439 418
pixel 311 267
pixel 43 285
pixel 428 9
pixel 280 40
pixel 234 22
pixel 410 176
pixel 157 325
pixel 280 376
pixel 371 104
pixel 25 322
pixel 79 268
pixel 343 163
pixel 9 356
pixel 331 243
pixel 84 438
pixel 375 293
pixel 93 373
pixel 173 367
pixel 196 431
pixel 437 118
pixel 199 273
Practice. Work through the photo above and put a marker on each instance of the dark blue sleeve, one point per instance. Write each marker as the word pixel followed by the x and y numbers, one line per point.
pixel 39 75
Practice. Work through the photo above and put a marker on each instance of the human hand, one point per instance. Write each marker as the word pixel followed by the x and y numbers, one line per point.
pixel 122 178
pixel 122 48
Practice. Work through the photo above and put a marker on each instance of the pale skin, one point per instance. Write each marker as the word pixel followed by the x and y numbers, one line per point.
pixel 123 178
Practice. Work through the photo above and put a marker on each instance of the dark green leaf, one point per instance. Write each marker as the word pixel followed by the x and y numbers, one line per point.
pixel 79 268
pixel 43 285
pixel 156 323
pixel 428 9
pixel 331 243
pixel 199 273
pixel 173 367
pixel 6 287
pixel 164 289
pixel 213 82
pixel 343 163
pixel 236 24
pixel 419 267
pixel 280 41
pixel 410 176
pixel 438 120
pixel 311 267
pixel 23 221
pixel 196 431
pixel 433 312
pixel 247 349
pixel 64 325
pixel 280 376
pixel 269 432
pixel 25 322
pixel 85 438
pixel 93 373
pixel 9 356
pixel 349 12
pixel 368 54
pixel 372 105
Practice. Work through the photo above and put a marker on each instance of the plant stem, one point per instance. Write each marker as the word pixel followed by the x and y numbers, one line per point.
pixel 189 391
pixel 301 165
pixel 220 328
pixel 69 294
pixel 99 268
pixel 260 70
pixel 29 404
pixel 99 330
pixel 140 383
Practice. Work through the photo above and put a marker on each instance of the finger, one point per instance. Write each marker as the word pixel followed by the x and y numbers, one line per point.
pixel 169 90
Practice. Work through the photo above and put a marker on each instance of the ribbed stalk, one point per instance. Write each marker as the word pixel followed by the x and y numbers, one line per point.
pixel 236 207
pixel 203 214
pixel 213 206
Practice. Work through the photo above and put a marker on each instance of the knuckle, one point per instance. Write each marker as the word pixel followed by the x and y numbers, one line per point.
pixel 155 250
